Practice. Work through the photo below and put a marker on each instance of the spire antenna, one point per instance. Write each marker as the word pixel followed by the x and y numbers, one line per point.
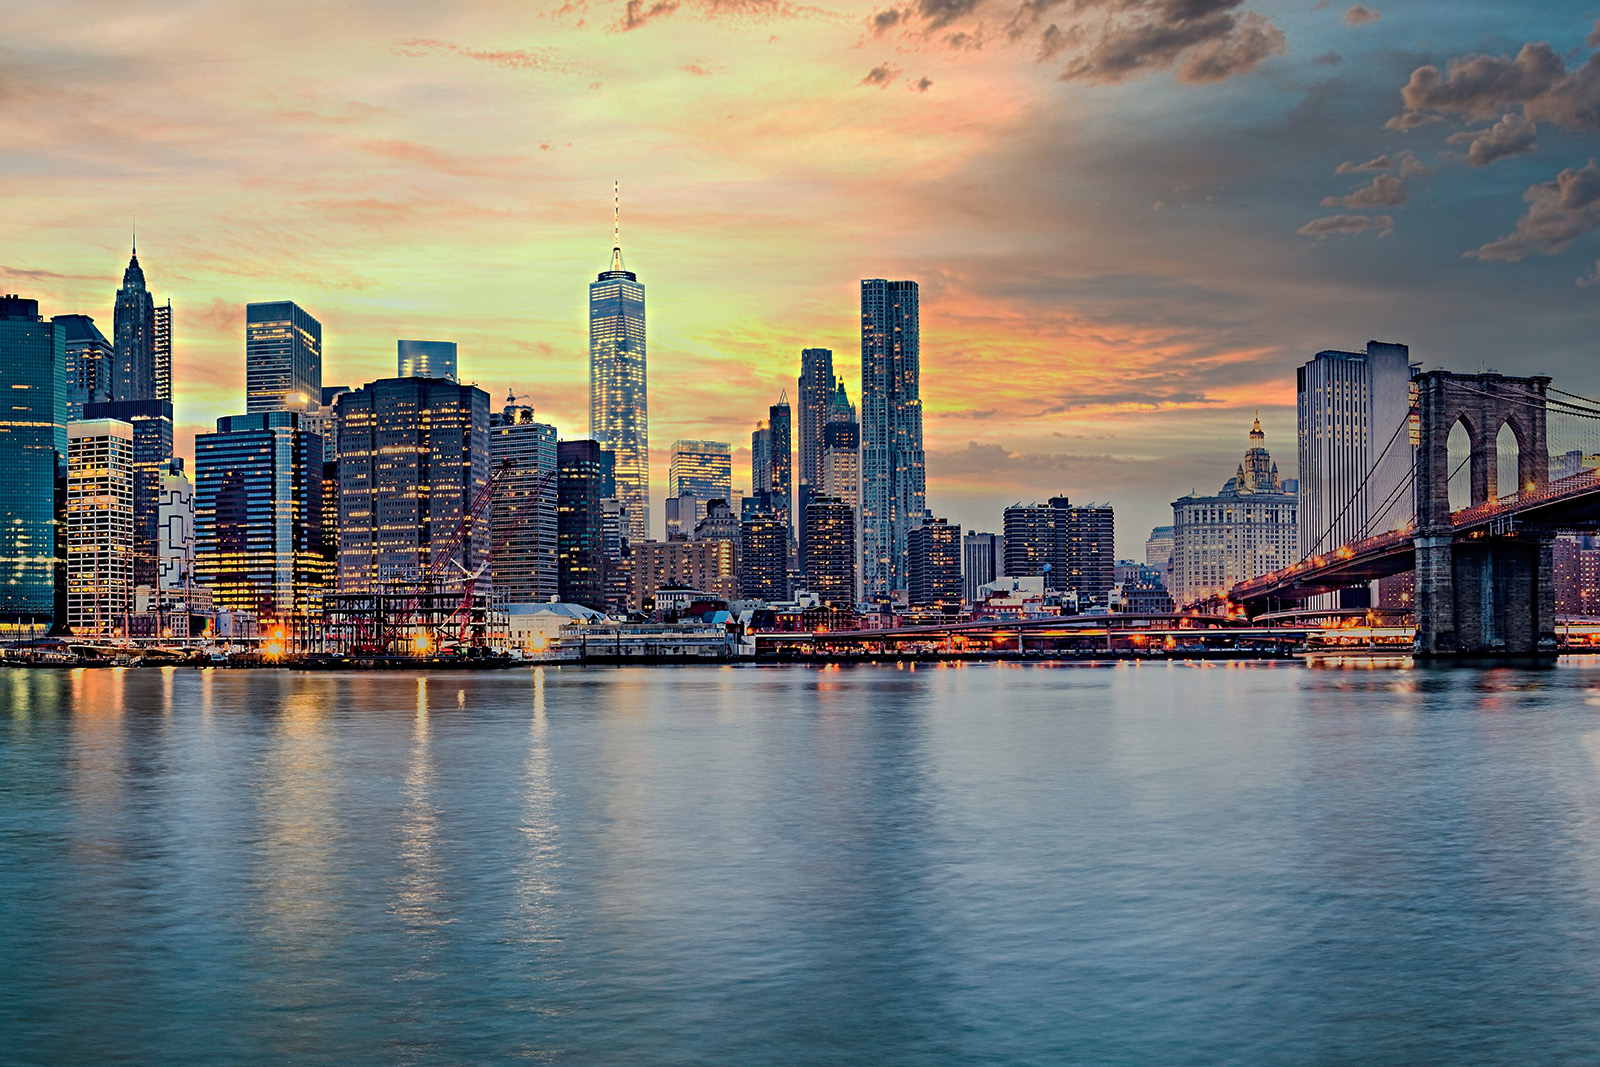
pixel 135 234
pixel 616 214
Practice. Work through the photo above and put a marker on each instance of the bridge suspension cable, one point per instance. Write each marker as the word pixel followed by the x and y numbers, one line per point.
pixel 1356 495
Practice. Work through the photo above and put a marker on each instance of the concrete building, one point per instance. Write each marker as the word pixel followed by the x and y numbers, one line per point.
pixel 162 345
pixel 1071 547
pixel 425 359
pixel 152 448
pixel 1246 530
pixel 764 559
pixel 282 358
pixel 258 515
pixel 830 570
pixel 413 456
pixel 933 567
pixel 523 516
pixel 706 565
pixel 583 485
pixel 1356 450
pixel 33 453
pixel 1158 553
pixel 983 559
pixel 619 417
pixel 90 359
pixel 893 468
pixel 99 527
pixel 175 528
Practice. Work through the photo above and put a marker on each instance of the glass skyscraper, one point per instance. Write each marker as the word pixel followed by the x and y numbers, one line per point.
pixel 133 329
pixel 618 393
pixel 703 470
pixel 33 453
pixel 893 471
pixel 426 359
pixel 282 358
pixel 90 358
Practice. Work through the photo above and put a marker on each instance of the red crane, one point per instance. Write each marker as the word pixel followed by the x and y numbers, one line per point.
pixel 469 579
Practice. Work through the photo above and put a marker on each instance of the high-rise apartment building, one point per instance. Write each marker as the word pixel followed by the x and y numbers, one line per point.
pixel 133 331
pixel 830 570
pixel 1072 548
pixel 90 359
pixel 99 526
pixel 764 559
pixel 933 566
pixel 983 559
pixel 152 448
pixel 761 467
pixel 701 470
pixel 1246 530
pixel 582 486
pixel 33 454
pixel 703 565
pixel 426 359
pixel 413 456
pixel 258 515
pixel 1091 552
pixel 282 358
pixel 779 427
pixel 893 469
pixel 618 386
pixel 1355 449
pixel 524 511
pixel 814 397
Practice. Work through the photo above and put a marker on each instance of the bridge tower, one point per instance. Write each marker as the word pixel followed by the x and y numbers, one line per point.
pixel 1486 593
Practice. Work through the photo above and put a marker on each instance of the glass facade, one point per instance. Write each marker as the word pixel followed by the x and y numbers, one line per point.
pixel 523 514
pixel 152 448
pixel 702 470
pixel 258 515
pixel 282 357
pixel 893 469
pixel 89 361
pixel 33 452
pixel 413 455
pixel 100 471
pixel 618 388
pixel 133 373
pixel 426 359
pixel 581 488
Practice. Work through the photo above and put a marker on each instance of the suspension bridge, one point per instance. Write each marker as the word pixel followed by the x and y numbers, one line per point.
pixel 1483 570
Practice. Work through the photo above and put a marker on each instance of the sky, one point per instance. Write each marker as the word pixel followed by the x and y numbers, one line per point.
pixel 1130 219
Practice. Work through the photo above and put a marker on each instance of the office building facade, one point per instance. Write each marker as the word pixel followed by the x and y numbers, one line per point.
pixel 764 559
pixel 99 526
pixel 582 486
pixel 152 448
pixel 1247 529
pixel 33 453
pixel 933 566
pixel 704 565
pixel 893 468
pixel 282 358
pixel 830 563
pixel 175 528
pixel 814 396
pixel 90 359
pixel 426 359
pixel 619 415
pixel 781 458
pixel 983 559
pixel 413 456
pixel 702 470
pixel 162 345
pixel 524 512
pixel 258 515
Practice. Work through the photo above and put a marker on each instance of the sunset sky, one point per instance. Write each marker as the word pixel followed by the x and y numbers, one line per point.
pixel 1131 219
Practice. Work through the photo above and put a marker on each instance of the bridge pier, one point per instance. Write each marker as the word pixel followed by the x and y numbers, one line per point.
pixel 1485 596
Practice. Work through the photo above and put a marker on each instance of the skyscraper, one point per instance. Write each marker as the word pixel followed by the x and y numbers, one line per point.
pixel 133 331
pixel 175 516
pixel 258 514
pixel 761 467
pixel 933 566
pixel 99 526
pixel 583 474
pixel 282 358
pixel 840 465
pixel 162 346
pixel 33 454
pixel 523 513
pixel 831 555
pixel 893 475
pixel 1072 548
pixel 618 388
pixel 814 395
pixel 763 559
pixel 90 359
pixel 983 559
pixel 152 447
pixel 779 426
pixel 413 455
pixel 426 359
pixel 702 470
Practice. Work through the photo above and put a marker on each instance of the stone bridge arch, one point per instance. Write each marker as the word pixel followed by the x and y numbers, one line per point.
pixel 1482 403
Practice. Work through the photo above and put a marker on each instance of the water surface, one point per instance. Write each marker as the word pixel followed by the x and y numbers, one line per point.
pixel 1127 864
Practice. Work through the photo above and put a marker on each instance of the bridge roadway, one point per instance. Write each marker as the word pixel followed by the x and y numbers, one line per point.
pixel 1568 505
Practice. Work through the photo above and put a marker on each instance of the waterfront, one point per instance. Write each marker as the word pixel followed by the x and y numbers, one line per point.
pixel 1129 863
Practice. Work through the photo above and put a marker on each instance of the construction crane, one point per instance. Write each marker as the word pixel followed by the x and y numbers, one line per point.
pixel 469 581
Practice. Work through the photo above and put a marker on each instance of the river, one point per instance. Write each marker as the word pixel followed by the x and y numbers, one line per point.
pixel 1157 863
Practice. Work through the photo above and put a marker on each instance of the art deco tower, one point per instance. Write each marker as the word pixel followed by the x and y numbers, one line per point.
pixel 618 392
pixel 133 366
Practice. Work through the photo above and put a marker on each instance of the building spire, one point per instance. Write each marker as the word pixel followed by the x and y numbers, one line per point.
pixel 1255 431
pixel 616 225
pixel 136 236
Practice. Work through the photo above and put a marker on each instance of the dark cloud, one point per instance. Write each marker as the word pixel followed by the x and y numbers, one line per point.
pixel 46 275
pixel 1347 224
pixel 1107 41
pixel 1360 16
pixel 636 13
pixel 1407 121
pixel 881 75
pixel 1559 212
pixel 1593 40
pixel 1513 135
pixel 1385 191
pixel 1482 87
pixel 922 84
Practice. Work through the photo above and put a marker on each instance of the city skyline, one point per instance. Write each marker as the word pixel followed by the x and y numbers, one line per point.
pixel 1142 300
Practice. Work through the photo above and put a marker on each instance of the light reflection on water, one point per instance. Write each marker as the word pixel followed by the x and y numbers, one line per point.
pixel 1118 863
